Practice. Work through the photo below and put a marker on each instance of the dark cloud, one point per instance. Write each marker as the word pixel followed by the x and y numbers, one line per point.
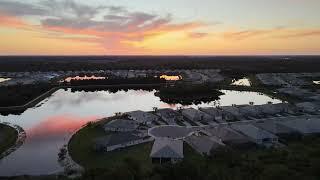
pixel 15 8
pixel 68 14
pixel 69 23
pixel 75 15
pixel 69 8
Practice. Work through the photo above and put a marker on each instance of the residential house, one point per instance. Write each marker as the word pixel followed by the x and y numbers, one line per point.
pixel 228 135
pixel 308 107
pixel 165 150
pixel 216 113
pixel 121 125
pixel 304 126
pixel 204 145
pixel 169 115
pixel 119 140
pixel 142 117
pixel 273 127
pixel 255 134
pixel 196 115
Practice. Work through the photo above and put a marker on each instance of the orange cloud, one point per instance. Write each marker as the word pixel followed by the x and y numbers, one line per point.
pixel 11 21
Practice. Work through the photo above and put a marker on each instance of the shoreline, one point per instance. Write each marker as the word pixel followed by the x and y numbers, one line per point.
pixel 35 101
pixel 41 97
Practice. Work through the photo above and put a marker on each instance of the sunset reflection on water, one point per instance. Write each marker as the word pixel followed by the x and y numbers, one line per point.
pixel 59 125
pixel 171 78
pixel 51 123
pixel 80 78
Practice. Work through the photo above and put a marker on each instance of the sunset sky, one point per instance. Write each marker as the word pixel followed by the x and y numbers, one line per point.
pixel 163 27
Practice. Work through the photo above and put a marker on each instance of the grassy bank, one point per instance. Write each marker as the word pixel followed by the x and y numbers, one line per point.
pixel 8 137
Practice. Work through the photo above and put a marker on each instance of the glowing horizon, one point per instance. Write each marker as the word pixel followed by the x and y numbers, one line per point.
pixel 167 27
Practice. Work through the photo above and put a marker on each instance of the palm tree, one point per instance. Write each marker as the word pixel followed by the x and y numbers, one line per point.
pixel 155 109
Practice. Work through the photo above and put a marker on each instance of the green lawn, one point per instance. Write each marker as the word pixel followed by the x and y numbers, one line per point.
pixel 81 150
pixel 8 137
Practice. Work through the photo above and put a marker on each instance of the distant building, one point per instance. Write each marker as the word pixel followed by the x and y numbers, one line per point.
pixel 142 117
pixel 121 125
pixel 255 134
pixel 166 150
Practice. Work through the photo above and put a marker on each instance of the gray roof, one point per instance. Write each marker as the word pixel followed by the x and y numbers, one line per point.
pixel 250 110
pixel 115 139
pixel 204 144
pixel 170 131
pixel 142 116
pixel 232 110
pixel 121 123
pixel 304 126
pixel 273 127
pixel 273 108
pixel 212 111
pixel 308 106
pixel 167 148
pixel 167 113
pixel 195 113
pixel 227 134
pixel 252 131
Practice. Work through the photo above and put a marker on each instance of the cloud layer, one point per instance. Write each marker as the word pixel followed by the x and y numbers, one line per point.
pixel 113 26
pixel 119 30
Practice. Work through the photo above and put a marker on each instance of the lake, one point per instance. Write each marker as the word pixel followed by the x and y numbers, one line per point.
pixel 50 124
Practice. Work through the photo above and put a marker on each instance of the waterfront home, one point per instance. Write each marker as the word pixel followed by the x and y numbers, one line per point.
pixel 255 134
pixel 228 135
pixel 142 117
pixel 232 112
pixel 204 145
pixel 121 125
pixel 165 150
pixel 169 115
pixel 216 113
pixel 272 109
pixel 118 141
pixel 196 115
pixel 250 111
pixel 304 126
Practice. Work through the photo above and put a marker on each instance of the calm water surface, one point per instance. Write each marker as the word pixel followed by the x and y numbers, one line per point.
pixel 50 124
